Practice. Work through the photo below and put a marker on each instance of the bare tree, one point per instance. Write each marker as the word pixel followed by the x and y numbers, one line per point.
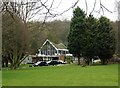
pixel 117 10
pixel 118 45
pixel 0 37
pixel 27 9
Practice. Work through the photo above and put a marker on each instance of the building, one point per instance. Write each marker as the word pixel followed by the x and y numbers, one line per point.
pixel 52 51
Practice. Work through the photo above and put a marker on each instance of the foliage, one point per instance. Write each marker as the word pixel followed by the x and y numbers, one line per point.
pixel 117 38
pixel 56 31
pixel 91 37
pixel 76 35
pixel 69 59
pixel 105 40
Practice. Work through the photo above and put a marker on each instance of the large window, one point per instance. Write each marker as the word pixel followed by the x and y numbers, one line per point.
pixel 48 49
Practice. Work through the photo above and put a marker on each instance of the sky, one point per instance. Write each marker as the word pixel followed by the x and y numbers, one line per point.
pixel 61 5
pixel 109 4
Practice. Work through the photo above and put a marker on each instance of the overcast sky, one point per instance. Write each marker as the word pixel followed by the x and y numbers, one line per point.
pixel 61 5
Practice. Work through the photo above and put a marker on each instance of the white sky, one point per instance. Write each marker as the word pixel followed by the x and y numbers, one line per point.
pixel 65 4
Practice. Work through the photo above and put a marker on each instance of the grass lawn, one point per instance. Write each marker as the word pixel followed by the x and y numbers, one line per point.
pixel 67 75
pixel 0 78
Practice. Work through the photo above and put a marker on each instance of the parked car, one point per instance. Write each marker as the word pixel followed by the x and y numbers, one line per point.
pixel 96 61
pixel 40 63
pixel 55 62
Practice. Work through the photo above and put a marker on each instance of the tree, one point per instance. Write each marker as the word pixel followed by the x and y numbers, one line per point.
pixel 89 37
pixel 105 40
pixel 76 35
pixel 118 25
pixel 90 34
pixel 117 38
pixel 15 40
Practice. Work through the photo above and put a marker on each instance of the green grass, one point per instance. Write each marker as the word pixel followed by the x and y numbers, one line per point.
pixel 0 78
pixel 68 75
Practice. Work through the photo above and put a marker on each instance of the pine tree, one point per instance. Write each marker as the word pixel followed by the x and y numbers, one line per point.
pixel 105 40
pixel 75 37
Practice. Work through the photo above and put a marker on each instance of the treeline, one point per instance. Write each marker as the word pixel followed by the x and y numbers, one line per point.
pixel 56 31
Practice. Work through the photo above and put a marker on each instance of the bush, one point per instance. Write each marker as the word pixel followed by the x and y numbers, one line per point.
pixel 68 59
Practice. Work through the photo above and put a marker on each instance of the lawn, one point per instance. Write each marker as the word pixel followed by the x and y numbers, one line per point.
pixel 0 78
pixel 67 75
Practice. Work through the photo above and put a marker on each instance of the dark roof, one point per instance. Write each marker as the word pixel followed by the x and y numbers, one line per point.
pixel 59 46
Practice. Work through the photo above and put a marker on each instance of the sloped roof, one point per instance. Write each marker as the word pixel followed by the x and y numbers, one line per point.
pixel 59 46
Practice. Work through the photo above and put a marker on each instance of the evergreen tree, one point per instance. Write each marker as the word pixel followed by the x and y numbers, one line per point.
pixel 105 40
pixel 90 35
pixel 76 35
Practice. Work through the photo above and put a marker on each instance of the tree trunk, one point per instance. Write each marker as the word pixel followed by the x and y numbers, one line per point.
pixel 103 61
pixel 88 61
pixel 3 64
pixel 78 60
pixel 6 63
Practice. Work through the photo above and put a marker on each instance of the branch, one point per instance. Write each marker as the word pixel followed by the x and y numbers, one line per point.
pixel 101 9
pixel 49 13
pixel 58 5
pixel 106 8
pixel 70 7
pixel 27 10
pixel 93 7
pixel 86 6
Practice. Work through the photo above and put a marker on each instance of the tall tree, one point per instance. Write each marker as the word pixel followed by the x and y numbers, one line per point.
pixel 118 41
pixel 15 40
pixel 90 35
pixel 76 35
pixel 105 40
